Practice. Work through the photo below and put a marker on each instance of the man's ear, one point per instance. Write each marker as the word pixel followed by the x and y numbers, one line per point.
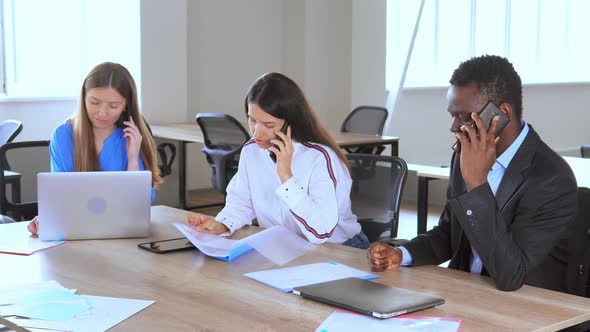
pixel 506 109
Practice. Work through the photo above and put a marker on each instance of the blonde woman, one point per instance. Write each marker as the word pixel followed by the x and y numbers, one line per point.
pixel 107 133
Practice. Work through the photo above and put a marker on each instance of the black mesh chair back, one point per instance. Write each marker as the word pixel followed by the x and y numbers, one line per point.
pixel 224 137
pixel 19 155
pixel 585 151
pixel 377 185
pixel 368 120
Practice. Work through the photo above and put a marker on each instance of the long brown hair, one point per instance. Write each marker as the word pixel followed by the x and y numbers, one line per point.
pixel 280 97
pixel 111 75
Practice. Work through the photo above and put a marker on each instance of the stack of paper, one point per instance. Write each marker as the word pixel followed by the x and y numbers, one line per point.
pixel 288 278
pixel 16 239
pixel 275 243
pixel 213 245
pixel 50 306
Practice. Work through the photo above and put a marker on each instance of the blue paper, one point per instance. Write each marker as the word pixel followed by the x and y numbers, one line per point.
pixel 235 253
pixel 52 304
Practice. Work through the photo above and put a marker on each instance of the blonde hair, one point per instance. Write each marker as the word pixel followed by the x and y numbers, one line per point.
pixel 111 75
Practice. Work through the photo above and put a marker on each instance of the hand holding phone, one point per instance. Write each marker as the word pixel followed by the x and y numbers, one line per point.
pixel 487 114
pixel 284 131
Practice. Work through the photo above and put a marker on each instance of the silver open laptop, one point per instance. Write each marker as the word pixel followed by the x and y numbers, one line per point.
pixel 368 297
pixel 94 205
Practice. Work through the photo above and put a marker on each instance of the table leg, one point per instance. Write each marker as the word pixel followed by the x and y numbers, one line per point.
pixel 15 188
pixel 422 204
pixel 394 149
pixel 182 175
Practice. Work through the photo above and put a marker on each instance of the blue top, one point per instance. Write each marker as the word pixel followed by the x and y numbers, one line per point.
pixel 495 176
pixel 112 157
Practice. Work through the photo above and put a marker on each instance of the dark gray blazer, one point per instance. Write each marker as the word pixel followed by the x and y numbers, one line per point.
pixel 520 233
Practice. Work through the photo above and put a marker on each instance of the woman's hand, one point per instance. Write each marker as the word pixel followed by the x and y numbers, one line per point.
pixel 284 152
pixel 203 223
pixel 133 136
pixel 33 226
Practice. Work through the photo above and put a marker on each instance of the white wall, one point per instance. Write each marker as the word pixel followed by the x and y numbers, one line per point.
pixel 368 53
pixel 201 56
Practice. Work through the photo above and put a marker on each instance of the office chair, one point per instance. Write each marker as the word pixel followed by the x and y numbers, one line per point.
pixel 9 129
pixel 578 271
pixel 378 182
pixel 368 120
pixel 585 151
pixel 17 154
pixel 163 150
pixel 224 137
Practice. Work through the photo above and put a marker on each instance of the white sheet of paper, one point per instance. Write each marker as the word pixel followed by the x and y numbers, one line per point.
pixel 287 278
pixel 344 321
pixel 210 245
pixel 279 244
pixel 16 239
pixel 105 313
pixel 275 243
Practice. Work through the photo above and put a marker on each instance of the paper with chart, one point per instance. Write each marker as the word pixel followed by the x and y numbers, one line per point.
pixel 345 321
pixel 288 278
pixel 275 243
pixel 16 239
pixel 50 306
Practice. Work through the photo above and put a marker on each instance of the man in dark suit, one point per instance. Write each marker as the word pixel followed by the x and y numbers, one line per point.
pixel 510 199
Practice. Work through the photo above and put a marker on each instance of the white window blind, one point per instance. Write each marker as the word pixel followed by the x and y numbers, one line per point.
pixel 49 46
pixel 546 40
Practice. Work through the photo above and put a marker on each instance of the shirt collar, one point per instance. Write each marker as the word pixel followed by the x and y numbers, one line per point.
pixel 506 157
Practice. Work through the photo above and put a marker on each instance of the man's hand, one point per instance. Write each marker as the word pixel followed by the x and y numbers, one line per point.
pixel 383 257
pixel 478 151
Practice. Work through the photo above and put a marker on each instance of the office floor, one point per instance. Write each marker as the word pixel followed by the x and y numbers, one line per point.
pixel 407 224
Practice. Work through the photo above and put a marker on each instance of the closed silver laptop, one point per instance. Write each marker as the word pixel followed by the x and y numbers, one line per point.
pixel 368 297
pixel 94 205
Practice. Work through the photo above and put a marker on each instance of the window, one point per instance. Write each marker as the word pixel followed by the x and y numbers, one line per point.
pixel 544 39
pixel 49 46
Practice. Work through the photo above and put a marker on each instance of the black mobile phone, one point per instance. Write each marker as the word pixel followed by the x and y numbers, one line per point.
pixel 489 112
pixel 165 246
pixel 284 131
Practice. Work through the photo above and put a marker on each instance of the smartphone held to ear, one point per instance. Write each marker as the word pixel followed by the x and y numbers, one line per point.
pixel 487 115
pixel 284 131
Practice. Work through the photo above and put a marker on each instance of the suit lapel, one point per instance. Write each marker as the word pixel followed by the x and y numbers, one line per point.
pixel 514 175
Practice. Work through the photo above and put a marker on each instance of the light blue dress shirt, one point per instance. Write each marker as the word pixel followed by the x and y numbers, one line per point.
pixel 112 157
pixel 495 176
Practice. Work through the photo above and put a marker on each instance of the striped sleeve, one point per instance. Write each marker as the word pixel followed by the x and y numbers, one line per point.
pixel 314 205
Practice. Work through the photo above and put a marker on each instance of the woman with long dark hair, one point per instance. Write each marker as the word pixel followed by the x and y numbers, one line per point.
pixel 291 173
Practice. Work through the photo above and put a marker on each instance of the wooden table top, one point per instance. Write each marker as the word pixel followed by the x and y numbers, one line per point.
pixel 195 292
